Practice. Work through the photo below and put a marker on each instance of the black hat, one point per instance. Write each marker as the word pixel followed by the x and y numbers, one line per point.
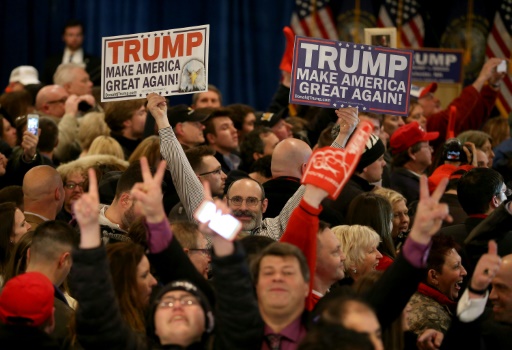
pixel 269 119
pixel 373 150
pixel 189 287
pixel 183 113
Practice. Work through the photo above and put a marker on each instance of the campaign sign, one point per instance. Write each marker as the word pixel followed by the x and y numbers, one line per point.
pixel 440 65
pixel 336 74
pixel 166 62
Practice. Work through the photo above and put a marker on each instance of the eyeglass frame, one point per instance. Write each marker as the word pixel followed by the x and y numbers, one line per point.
pixel 216 172
pixel 82 185
pixel 170 304
pixel 62 100
pixel 244 200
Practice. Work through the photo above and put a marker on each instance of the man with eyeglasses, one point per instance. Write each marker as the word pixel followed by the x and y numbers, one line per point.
pixel 55 102
pixel 191 191
pixel 207 168
pixel 412 155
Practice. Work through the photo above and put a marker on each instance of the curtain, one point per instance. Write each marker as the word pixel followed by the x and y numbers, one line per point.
pixel 246 40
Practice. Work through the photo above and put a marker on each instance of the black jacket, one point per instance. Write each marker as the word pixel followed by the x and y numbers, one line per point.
pixel 356 185
pixel 408 184
pixel 24 337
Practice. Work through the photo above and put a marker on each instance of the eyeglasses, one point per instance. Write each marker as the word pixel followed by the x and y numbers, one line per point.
pixel 251 202
pixel 216 172
pixel 72 185
pixel 186 300
pixel 62 100
pixel 206 252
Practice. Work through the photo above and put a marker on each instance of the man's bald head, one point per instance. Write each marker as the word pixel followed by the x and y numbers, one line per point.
pixel 501 293
pixel 43 190
pixel 289 158
pixel 51 100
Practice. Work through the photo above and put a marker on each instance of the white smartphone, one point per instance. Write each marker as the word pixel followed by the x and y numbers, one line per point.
pixel 224 224
pixel 502 67
pixel 33 123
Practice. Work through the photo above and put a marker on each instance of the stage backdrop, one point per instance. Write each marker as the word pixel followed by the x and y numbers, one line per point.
pixel 246 40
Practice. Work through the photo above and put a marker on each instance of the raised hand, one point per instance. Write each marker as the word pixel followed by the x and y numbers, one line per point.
pixel 157 106
pixel 346 124
pixel 29 144
pixel 430 213
pixel 430 339
pixel 87 212
pixel 487 267
pixel 148 194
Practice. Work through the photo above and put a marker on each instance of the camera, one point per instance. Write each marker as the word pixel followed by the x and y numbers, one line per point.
pixel 453 151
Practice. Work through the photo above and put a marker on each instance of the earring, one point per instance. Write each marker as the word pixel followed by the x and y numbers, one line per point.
pixel 354 271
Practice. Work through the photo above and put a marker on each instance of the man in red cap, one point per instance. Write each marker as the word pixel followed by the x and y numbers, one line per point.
pixel 26 313
pixel 412 155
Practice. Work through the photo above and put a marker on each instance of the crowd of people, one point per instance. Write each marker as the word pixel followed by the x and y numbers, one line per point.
pixel 100 246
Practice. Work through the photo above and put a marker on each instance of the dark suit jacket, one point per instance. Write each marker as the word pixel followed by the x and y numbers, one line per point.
pixel 408 184
pixel 33 220
pixel 92 66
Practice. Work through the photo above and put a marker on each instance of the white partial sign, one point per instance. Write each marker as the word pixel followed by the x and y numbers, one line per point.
pixel 167 62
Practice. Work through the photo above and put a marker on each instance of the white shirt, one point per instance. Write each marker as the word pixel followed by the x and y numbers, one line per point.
pixel 468 309
pixel 76 57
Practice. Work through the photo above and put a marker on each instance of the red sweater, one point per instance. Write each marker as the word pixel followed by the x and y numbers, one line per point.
pixel 473 110
pixel 301 231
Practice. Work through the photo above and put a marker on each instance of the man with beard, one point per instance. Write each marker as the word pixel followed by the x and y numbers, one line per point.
pixel 115 219
pixel 250 214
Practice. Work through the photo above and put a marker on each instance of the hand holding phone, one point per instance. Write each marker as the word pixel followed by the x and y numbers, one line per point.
pixel 33 123
pixel 225 225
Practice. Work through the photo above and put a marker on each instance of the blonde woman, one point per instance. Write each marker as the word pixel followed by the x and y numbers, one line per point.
pixel 92 125
pixel 359 244
pixel 106 145
pixel 401 219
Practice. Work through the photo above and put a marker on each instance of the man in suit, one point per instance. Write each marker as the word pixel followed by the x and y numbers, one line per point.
pixel 73 37
pixel 43 195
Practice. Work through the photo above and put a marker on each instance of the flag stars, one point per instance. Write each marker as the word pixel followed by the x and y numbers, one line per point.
pixel 355 46
pixel 348 45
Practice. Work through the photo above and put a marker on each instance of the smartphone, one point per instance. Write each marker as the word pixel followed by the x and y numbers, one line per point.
pixel 502 67
pixel 33 123
pixel 224 224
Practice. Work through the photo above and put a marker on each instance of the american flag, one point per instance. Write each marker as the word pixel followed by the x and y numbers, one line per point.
pixel 314 18
pixel 499 43
pixel 405 15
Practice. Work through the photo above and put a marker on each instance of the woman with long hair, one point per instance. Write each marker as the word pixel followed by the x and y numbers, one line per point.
pixel 133 282
pixel 372 210
pixel 12 227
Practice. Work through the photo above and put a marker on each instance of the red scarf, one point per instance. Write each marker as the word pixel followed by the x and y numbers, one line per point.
pixel 436 295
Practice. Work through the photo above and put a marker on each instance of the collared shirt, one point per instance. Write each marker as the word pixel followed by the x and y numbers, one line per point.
pixel 39 216
pixel 291 335
pixel 76 56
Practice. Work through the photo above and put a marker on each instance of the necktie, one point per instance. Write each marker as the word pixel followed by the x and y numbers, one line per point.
pixel 71 58
pixel 274 341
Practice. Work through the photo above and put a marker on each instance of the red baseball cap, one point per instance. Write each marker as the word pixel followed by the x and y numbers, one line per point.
pixel 408 135
pixel 422 91
pixel 27 296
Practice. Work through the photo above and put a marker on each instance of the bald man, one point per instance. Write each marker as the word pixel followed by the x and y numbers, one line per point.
pixel 43 194
pixel 288 164
pixel 501 293
pixel 55 102
pixel 289 161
